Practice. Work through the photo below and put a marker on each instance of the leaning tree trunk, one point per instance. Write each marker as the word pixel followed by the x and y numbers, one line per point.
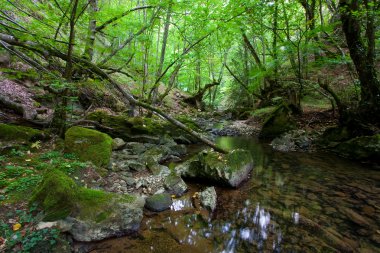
pixel 128 98
pixel 196 100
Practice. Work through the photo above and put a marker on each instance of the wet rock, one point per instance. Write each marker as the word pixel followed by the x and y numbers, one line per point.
pixel 174 184
pixel 368 210
pixel 118 144
pixel 355 217
pixel 230 169
pixel 208 198
pixel 158 202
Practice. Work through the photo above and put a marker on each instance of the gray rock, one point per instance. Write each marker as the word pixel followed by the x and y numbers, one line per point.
pixel 135 165
pixel 158 202
pixel 208 198
pixel 124 218
pixel 118 144
pixel 158 169
pixel 175 185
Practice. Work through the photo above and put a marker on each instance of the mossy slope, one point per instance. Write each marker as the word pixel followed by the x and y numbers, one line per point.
pixel 19 133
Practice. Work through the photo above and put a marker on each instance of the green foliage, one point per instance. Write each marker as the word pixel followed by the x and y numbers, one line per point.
pixel 27 239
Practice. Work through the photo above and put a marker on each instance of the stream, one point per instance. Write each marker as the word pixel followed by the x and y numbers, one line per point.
pixel 293 202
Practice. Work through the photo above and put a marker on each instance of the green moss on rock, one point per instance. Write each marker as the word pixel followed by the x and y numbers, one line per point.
pixel 59 196
pixel 19 133
pixel 56 194
pixel 230 169
pixel 89 145
pixel 279 122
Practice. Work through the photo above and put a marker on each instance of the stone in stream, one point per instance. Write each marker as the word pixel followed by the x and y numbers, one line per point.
pixel 208 198
pixel 158 202
pixel 355 217
pixel 228 169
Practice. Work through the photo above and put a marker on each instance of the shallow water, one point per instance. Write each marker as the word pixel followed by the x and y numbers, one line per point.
pixel 293 202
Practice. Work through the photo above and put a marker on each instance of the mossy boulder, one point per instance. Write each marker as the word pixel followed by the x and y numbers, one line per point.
pixel 89 145
pixel 87 214
pixel 361 148
pixel 19 133
pixel 230 169
pixel 279 122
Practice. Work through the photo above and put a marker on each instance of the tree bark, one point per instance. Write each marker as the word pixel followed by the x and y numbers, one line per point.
pixel 90 42
pixel 363 58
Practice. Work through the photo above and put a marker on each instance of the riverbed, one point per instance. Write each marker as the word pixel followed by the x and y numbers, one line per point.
pixel 292 202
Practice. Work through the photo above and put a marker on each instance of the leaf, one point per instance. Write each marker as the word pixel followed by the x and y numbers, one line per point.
pixel 36 145
pixel 16 226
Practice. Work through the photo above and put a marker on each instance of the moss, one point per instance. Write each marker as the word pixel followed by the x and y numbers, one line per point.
pixel 189 122
pixel 238 158
pixel 277 123
pixel 59 197
pixel 21 133
pixel 89 145
pixel 125 127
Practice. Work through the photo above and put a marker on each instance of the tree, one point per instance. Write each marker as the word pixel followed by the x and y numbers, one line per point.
pixel 363 54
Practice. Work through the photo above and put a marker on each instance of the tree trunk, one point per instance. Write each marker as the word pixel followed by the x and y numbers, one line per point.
pixel 363 57
pixel 90 41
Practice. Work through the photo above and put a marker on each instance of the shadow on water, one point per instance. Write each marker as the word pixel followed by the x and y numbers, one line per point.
pixel 293 202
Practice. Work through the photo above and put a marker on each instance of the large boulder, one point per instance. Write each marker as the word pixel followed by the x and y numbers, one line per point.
pixel 89 145
pixel 230 169
pixel 19 133
pixel 88 215
pixel 360 148
pixel 279 122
